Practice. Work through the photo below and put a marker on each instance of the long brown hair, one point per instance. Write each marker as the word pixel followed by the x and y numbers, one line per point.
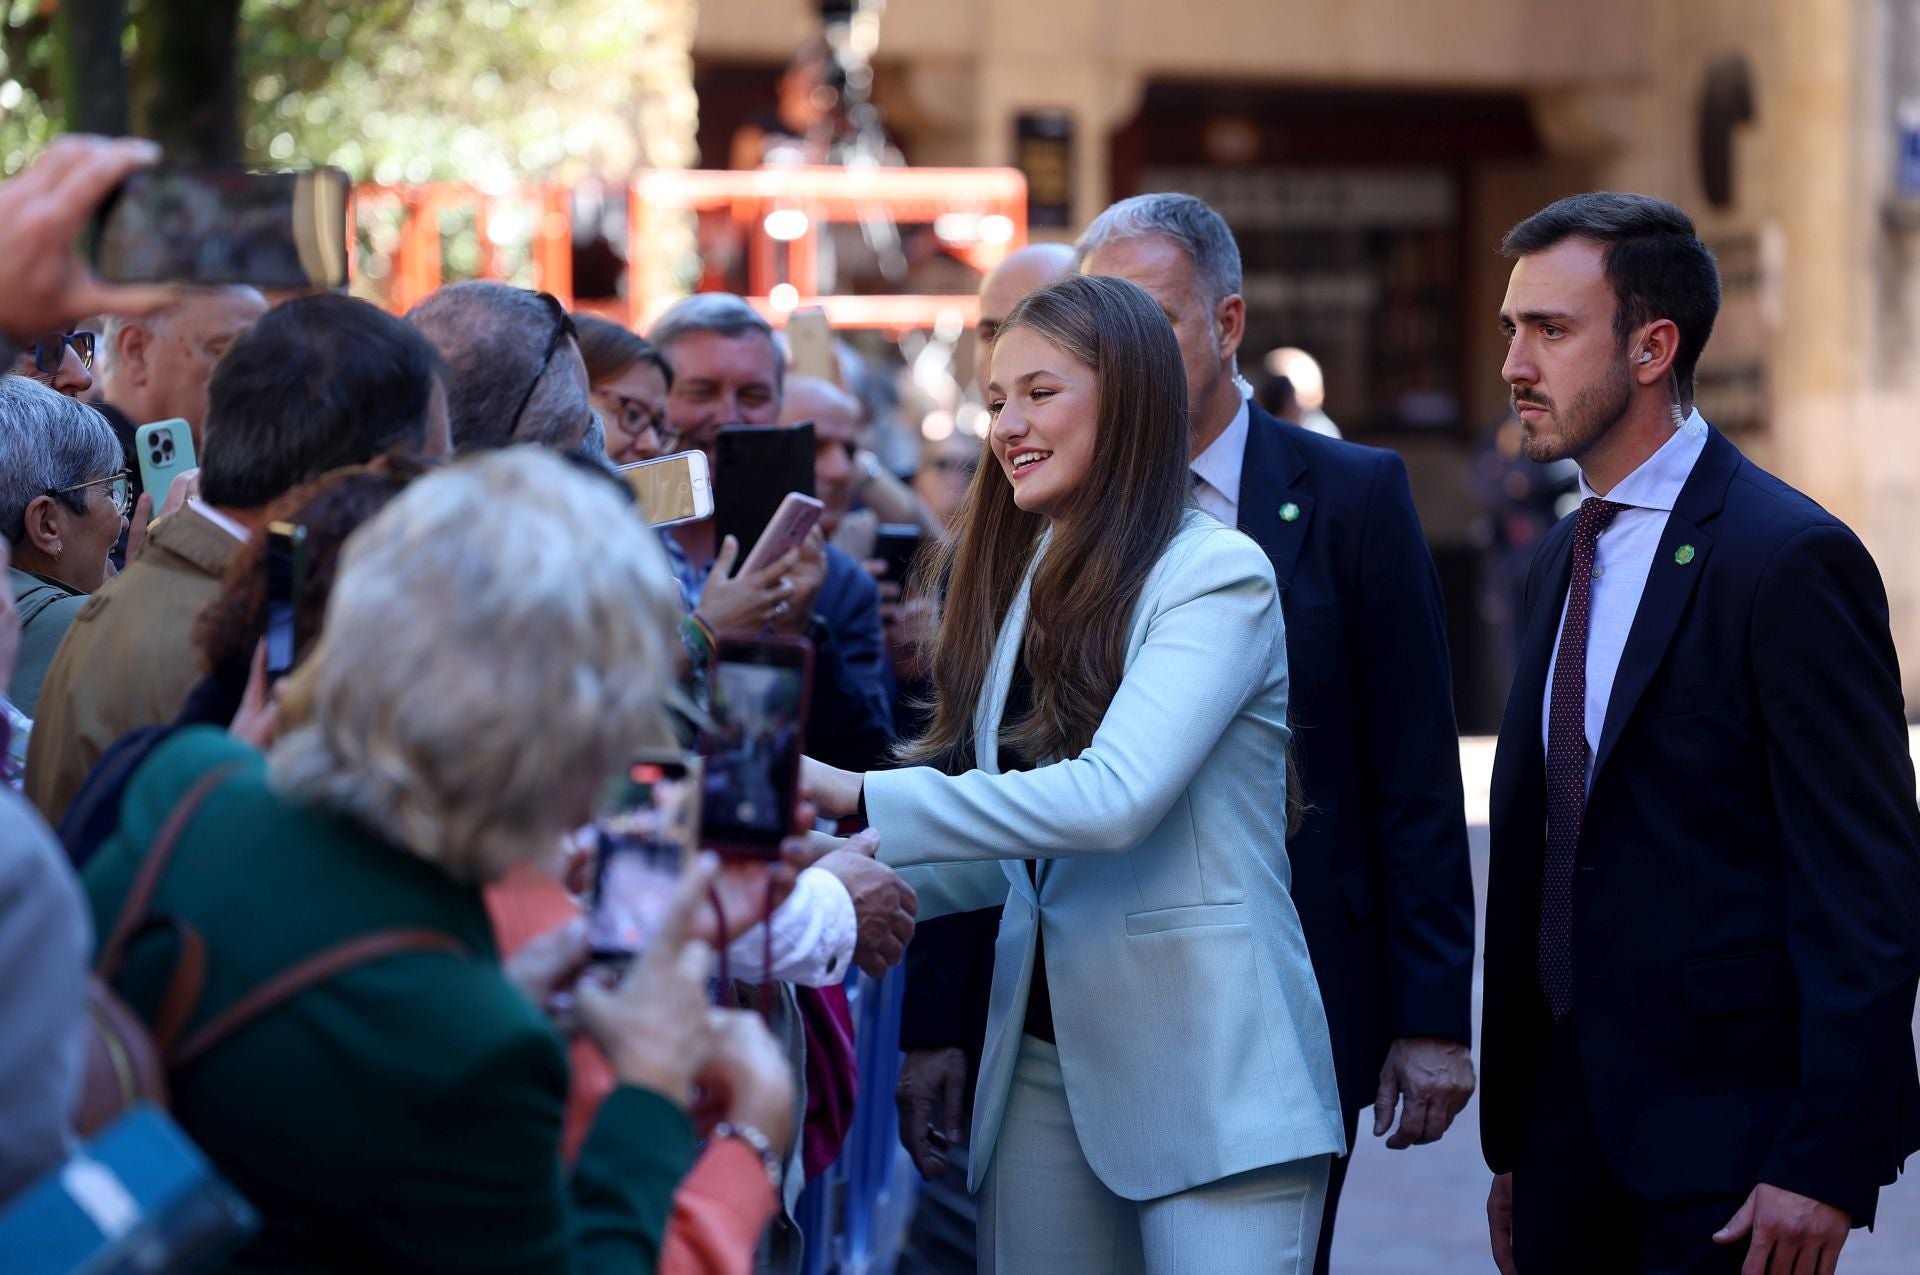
pixel 1105 542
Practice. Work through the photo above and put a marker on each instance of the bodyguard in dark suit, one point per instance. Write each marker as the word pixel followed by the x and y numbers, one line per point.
pixel 1702 938
pixel 1380 865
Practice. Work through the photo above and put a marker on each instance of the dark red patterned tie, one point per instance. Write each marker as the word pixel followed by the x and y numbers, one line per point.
pixel 1567 755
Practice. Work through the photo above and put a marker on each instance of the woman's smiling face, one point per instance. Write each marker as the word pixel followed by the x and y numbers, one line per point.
pixel 1046 418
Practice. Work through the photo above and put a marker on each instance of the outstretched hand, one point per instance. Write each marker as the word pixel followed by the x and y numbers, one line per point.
pixel 835 793
pixel 42 212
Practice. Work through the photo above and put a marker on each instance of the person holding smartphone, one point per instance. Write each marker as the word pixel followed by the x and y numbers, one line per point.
pixel 1110 674
pixel 410 1113
pixel 63 504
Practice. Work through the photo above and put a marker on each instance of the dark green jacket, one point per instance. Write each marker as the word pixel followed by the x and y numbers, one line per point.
pixel 406 1115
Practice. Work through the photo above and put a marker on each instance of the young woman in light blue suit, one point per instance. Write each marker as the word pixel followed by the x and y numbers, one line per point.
pixel 1157 1092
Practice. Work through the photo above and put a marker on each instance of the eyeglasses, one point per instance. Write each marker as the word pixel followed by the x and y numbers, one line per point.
pixel 118 486
pixel 635 418
pixel 562 327
pixel 50 351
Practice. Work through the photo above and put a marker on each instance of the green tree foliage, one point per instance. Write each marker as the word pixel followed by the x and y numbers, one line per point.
pixel 394 90
pixel 29 98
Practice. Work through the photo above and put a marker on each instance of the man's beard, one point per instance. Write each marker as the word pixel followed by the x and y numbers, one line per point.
pixel 1594 411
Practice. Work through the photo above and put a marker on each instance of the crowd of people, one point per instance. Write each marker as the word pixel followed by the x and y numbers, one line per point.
pixel 1146 773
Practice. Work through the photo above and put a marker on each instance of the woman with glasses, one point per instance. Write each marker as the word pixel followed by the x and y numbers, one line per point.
pixel 63 505
pixel 629 381
pixel 61 361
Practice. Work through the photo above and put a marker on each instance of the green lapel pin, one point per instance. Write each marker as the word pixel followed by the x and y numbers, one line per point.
pixel 1683 555
pixel 1289 512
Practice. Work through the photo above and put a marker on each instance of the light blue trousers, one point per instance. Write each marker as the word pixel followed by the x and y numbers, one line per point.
pixel 1043 1212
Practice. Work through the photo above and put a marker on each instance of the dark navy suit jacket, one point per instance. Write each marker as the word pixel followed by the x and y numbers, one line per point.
pixel 1381 873
pixel 1746 925
pixel 851 724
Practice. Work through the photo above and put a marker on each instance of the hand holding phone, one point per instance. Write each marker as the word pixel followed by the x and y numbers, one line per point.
pixel 286 580
pixel 163 451
pixel 213 226
pixel 43 212
pixel 735 601
pixel 754 468
pixel 789 526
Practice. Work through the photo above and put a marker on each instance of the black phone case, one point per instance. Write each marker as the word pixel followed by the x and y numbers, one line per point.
pixel 754 467
pixel 898 546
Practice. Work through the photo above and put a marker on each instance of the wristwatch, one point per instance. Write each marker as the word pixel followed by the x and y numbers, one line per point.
pixel 757 1141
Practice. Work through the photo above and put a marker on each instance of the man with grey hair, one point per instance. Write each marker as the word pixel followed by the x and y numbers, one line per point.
pixel 514 371
pixel 1380 864
pixel 63 494
pixel 728 369
pixel 156 367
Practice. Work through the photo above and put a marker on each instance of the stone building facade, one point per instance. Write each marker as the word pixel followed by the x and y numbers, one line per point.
pixel 1376 149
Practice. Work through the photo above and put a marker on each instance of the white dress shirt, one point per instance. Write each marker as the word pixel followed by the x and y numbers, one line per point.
pixel 1218 469
pixel 1622 560
pixel 238 530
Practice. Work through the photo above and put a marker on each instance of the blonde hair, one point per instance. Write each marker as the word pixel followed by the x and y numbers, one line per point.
pixel 499 640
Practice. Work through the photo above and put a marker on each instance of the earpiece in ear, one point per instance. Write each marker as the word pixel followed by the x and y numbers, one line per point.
pixel 1646 356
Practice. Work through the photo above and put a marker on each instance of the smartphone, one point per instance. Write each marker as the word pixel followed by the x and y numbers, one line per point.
pixel 672 489
pixel 164 450
pixel 649 822
pixel 286 579
pixel 897 544
pixel 175 224
pixel 796 516
pixel 754 467
pixel 761 688
pixel 810 341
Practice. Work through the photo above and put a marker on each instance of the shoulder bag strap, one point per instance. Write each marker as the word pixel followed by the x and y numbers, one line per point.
pixel 133 912
pixel 316 969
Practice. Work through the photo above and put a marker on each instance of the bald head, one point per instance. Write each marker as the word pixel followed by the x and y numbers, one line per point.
pixel 836 440
pixel 1028 270
pixel 157 366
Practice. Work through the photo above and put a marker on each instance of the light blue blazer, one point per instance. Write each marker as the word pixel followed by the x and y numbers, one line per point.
pixel 1192 1041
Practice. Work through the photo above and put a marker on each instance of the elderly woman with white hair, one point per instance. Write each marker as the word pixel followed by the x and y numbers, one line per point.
pixel 63 505
pixel 491 656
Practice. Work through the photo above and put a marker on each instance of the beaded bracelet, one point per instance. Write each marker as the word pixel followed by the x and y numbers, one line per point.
pixel 757 1141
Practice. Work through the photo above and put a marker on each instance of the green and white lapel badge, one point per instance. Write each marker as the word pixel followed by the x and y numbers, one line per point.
pixel 1289 512
pixel 1683 555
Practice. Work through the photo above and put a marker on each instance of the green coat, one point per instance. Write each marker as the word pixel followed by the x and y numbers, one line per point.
pixel 47 610
pixel 406 1115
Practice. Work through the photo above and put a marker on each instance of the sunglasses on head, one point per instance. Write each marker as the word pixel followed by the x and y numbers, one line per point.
pixel 562 328
pixel 50 350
